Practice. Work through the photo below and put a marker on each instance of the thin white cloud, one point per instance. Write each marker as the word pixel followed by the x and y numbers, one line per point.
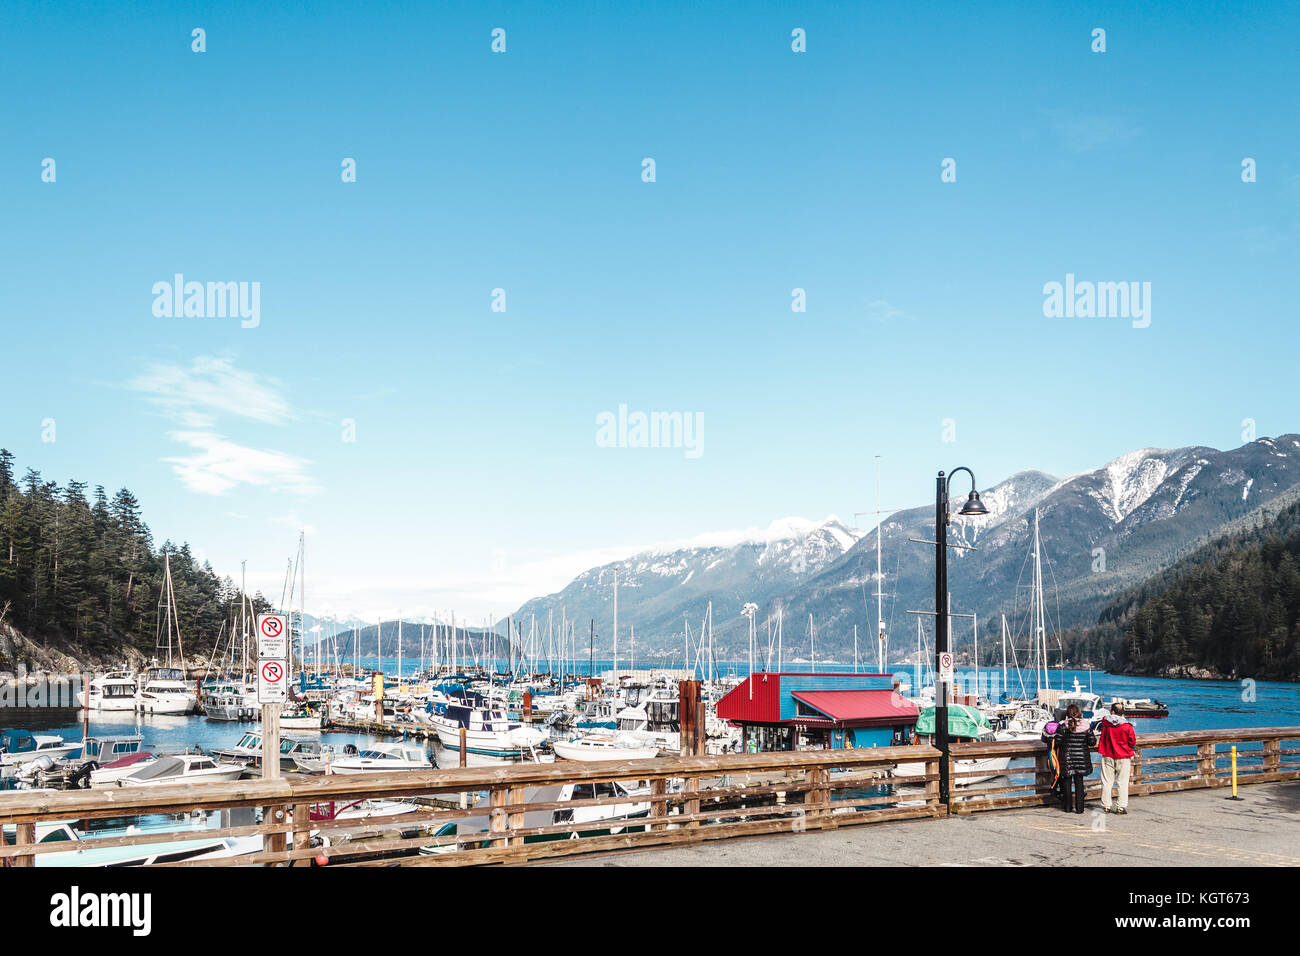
pixel 1083 133
pixel 219 465
pixel 879 310
pixel 211 386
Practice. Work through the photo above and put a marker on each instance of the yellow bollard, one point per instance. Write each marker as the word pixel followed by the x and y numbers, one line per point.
pixel 1234 775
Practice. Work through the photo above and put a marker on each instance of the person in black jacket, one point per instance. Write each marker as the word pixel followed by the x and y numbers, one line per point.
pixel 1075 741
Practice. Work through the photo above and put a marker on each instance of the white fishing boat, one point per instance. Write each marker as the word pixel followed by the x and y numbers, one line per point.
pixel 113 692
pixel 486 731
pixel 382 757
pixel 177 769
pixel 231 700
pixel 74 772
pixel 603 747
pixel 18 747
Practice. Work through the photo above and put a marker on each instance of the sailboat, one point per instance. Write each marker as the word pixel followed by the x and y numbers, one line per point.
pixel 164 689
pixel 1032 713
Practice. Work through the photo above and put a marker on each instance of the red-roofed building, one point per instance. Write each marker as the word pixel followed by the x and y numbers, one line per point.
pixel 818 711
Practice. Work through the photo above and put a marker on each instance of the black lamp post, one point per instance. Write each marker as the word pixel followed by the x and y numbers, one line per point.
pixel 973 508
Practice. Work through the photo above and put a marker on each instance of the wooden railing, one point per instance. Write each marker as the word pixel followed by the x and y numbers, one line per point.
pixel 688 799
pixel 1178 760
pixel 499 814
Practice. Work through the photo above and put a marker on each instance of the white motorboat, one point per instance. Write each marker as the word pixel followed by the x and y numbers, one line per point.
pixel 177 769
pixel 1090 705
pixel 382 757
pixel 602 747
pixel 113 692
pixel 165 691
pixel 108 774
pixel 304 720
pixel 487 731
pixel 18 747
pixel 248 751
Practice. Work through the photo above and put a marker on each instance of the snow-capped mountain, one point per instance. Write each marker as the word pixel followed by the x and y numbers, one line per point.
pixel 1100 532
pixel 656 588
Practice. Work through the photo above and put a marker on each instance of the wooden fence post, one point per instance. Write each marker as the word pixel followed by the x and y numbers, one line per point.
pixel 516 819
pixel 1272 755
pixel 818 777
pixel 692 804
pixel 274 842
pixel 301 831
pixel 499 820
pixel 1205 767
pixel 658 808
pixel 25 836
pixel 932 785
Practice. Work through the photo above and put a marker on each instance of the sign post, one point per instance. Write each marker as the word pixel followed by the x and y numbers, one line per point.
pixel 272 685
pixel 945 667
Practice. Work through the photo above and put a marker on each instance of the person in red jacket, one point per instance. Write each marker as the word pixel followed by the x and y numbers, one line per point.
pixel 1116 746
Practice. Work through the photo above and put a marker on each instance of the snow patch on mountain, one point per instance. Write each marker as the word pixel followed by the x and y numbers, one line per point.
pixel 1130 480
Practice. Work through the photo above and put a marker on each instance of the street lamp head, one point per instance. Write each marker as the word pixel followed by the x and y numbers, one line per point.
pixel 973 507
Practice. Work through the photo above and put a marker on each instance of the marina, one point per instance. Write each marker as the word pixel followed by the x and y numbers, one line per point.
pixel 393 791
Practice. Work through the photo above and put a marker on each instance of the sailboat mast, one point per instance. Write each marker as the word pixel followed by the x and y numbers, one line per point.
pixel 243 610
pixel 882 642
pixel 917 691
pixel 1040 623
pixel 1004 653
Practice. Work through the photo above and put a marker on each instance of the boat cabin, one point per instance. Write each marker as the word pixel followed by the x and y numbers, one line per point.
pixel 818 712
pixel 104 750
pixel 16 742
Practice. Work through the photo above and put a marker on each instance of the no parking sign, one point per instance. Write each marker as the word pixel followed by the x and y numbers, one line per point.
pixel 272 658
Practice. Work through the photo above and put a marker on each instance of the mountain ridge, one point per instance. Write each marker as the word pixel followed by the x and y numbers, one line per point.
pixel 1100 531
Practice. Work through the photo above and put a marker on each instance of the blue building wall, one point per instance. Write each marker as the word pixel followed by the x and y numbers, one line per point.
pixel 871 736
pixel 791 683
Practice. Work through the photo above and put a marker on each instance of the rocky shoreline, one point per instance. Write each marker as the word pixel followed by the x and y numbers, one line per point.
pixel 22 657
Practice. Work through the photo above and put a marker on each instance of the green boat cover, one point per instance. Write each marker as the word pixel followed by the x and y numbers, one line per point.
pixel 963 721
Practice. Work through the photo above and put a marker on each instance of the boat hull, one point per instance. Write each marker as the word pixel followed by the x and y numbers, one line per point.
pixel 573 751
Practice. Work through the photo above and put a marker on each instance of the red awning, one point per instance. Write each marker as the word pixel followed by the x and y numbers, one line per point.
pixel 854 706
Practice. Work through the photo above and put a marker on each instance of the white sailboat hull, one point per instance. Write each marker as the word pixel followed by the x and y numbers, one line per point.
pixel 575 750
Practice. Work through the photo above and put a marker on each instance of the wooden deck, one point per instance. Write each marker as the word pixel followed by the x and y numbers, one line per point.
pixel 692 800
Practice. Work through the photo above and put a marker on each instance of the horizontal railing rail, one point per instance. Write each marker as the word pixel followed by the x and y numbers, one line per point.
pixel 498 814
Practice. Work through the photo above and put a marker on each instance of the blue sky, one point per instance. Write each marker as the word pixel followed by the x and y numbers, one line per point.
pixel 475 479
